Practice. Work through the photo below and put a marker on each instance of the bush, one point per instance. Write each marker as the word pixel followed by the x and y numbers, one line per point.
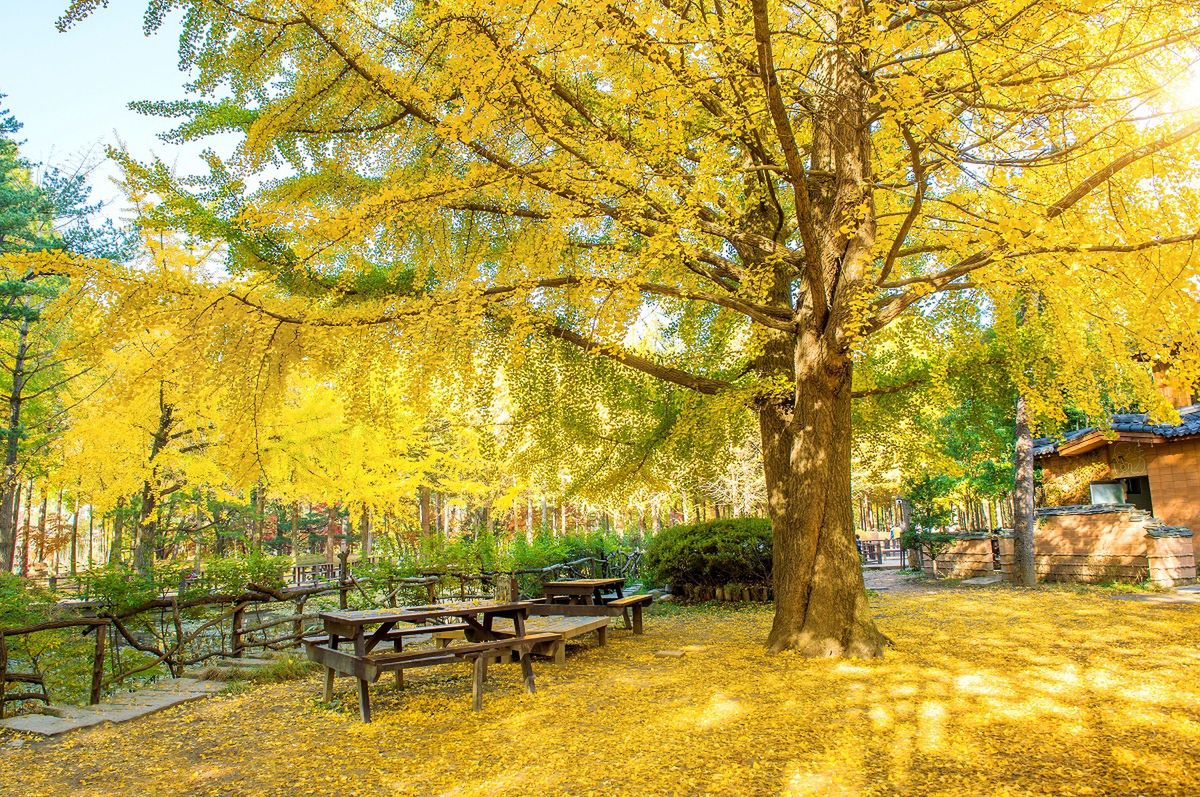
pixel 930 543
pixel 712 554
pixel 230 575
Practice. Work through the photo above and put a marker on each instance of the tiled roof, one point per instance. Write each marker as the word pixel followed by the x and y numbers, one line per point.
pixel 1188 426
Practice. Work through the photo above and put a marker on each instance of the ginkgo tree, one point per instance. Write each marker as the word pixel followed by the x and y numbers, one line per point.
pixel 781 181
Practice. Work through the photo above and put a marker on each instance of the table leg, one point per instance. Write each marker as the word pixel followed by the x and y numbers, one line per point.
pixel 364 697
pixel 329 673
pixel 398 646
pixel 527 670
pixel 477 683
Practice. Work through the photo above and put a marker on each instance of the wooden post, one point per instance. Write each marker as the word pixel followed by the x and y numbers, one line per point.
pixel 237 631
pixel 98 664
pixel 3 671
pixel 343 576
pixel 477 682
pixel 298 623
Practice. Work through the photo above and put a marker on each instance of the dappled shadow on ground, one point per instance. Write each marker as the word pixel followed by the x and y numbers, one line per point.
pixel 987 691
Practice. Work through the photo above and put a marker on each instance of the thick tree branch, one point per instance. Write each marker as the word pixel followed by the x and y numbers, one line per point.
pixel 795 163
pixel 676 376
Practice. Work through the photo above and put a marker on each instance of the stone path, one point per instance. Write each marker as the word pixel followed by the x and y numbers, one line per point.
pixel 124 706
pixel 891 580
pixel 1177 598
pixel 118 708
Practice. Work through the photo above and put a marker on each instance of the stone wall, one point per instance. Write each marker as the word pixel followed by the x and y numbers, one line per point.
pixel 967 558
pixel 1096 542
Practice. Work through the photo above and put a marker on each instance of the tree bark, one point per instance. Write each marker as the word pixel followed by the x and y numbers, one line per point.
pixel 114 551
pixel 146 530
pixel 426 510
pixel 820 600
pixel 12 440
pixel 75 537
pixel 1024 518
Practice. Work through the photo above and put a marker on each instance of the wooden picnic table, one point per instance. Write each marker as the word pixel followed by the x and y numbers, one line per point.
pixel 475 620
pixel 585 591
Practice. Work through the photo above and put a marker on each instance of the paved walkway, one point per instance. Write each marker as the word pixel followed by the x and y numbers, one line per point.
pixel 124 706
pixel 891 580
pixel 118 708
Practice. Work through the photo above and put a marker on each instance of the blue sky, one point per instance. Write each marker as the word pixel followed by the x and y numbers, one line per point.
pixel 71 89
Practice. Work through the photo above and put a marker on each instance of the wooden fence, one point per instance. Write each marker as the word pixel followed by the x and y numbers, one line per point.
pixel 178 647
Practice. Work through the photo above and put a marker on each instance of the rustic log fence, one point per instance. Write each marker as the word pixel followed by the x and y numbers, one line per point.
pixel 179 647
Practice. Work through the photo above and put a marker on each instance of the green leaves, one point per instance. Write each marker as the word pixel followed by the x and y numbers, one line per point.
pixel 719 552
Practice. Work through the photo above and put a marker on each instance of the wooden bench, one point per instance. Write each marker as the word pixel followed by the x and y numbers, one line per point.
pixel 549 619
pixel 395 634
pixel 478 653
pixel 636 603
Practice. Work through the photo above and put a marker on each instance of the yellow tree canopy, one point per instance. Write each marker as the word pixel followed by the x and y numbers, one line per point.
pixel 779 183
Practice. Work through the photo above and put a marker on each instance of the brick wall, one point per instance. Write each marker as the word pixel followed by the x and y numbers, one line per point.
pixel 1174 471
pixel 967 558
pixel 1105 543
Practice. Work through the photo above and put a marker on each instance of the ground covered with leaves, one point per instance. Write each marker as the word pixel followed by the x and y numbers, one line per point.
pixel 987 691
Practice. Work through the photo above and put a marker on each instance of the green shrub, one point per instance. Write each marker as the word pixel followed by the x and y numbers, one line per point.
pixel 21 603
pixel 712 554
pixel 230 574
pixel 930 543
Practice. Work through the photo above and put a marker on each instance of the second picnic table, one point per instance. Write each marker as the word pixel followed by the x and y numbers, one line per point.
pixel 586 591
pixel 475 620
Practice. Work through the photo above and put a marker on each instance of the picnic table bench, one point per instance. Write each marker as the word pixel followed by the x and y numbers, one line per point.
pixel 585 591
pixel 544 621
pixel 589 594
pixel 366 665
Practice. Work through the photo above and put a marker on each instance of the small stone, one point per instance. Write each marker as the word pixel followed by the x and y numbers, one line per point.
pixel 15 743
pixel 669 654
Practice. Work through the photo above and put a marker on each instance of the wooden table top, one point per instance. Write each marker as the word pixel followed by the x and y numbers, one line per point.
pixel 416 614
pixel 586 582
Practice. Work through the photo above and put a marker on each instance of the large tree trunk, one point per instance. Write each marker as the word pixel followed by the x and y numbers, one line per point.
pixel 118 542
pixel 146 530
pixel 1024 519
pixel 12 439
pixel 820 600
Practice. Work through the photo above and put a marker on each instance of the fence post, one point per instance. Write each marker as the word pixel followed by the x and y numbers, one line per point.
pixel 343 576
pixel 237 631
pixel 3 672
pixel 98 663
pixel 298 623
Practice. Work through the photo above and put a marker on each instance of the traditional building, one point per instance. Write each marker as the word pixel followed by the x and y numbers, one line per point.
pixel 1153 467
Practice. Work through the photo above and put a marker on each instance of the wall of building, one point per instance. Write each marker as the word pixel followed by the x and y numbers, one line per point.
pixel 1174 471
pixel 1106 543
pixel 1173 468
pixel 968 558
